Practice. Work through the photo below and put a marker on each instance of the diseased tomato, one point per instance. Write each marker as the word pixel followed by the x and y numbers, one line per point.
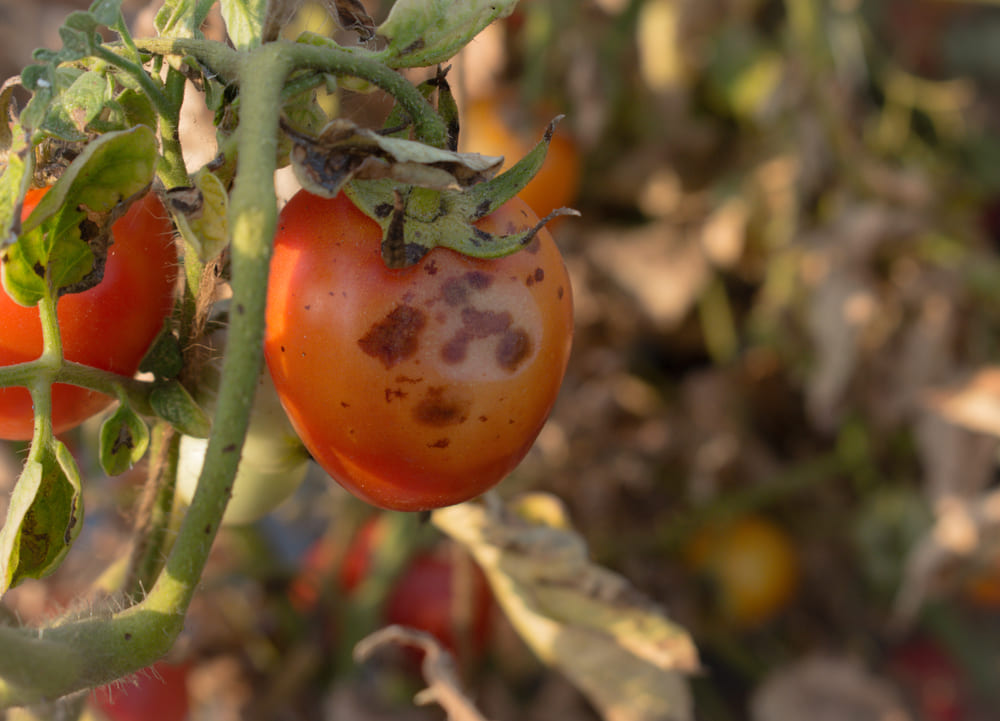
pixel 158 693
pixel 420 387
pixel 488 127
pixel 750 567
pixel 109 326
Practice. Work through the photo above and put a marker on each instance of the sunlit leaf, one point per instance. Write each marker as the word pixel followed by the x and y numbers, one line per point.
pixel 124 440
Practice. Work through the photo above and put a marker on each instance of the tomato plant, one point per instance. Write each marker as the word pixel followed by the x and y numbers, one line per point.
pixel 750 567
pixel 109 326
pixel 490 126
pixel 158 693
pixel 419 387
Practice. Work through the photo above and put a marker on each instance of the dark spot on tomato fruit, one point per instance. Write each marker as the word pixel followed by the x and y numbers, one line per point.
pixel 394 393
pixel 308 307
pixel 476 324
pixel 396 337
pixel 431 267
pixel 407 379
pixel 513 349
pixel 454 292
pixel 457 347
pixel 560 292
pixel 534 246
pixel 345 404
pixel 478 280
pixel 441 407
pixel 440 443
pixel 539 275
pixel 483 419
pixel 282 349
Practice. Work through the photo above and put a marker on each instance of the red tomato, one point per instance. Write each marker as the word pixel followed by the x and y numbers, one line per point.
pixel 750 566
pixel 487 129
pixel 419 387
pixel 158 693
pixel 109 326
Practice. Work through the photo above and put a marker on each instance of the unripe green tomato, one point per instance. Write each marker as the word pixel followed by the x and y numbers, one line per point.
pixel 274 461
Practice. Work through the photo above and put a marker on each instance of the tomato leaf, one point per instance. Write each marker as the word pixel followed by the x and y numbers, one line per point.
pixel 14 181
pixel 200 214
pixel 344 151
pixel 72 111
pixel 124 440
pixel 44 517
pixel 106 12
pixel 613 643
pixel 182 18
pixel 172 403
pixel 164 358
pixel 421 33
pixel 244 21
pixel 64 241
pixel 351 15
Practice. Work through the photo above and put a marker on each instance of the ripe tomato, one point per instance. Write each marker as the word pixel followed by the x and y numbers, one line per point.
pixel 109 326
pixel 158 693
pixel 429 594
pixel 750 567
pixel 420 387
pixel 487 129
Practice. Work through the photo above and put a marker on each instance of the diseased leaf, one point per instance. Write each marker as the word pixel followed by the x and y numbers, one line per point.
pixel 124 440
pixel 44 517
pixel 618 648
pixel 71 113
pixel 200 214
pixel 64 241
pixel 344 151
pixel 351 15
pixel 421 33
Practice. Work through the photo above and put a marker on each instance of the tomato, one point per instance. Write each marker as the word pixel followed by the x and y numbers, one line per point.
pixel 430 594
pixel 109 326
pixel 489 128
pixel 750 566
pixel 420 387
pixel 158 693
pixel 931 678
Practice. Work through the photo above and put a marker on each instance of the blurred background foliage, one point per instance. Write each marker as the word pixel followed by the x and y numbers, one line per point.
pixel 781 417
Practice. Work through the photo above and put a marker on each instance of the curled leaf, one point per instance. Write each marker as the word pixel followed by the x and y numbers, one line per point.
pixel 344 151
pixel 124 440
pixel 44 517
pixel 621 650
pixel 200 213
pixel 421 33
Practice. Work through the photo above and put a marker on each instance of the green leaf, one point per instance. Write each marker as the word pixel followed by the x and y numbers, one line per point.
pixel 182 18
pixel 124 440
pixel 164 358
pixel 421 33
pixel 69 230
pixel 172 403
pixel 244 21
pixel 44 517
pixel 106 12
pixel 72 111
pixel 137 108
pixel 14 180
pixel 200 214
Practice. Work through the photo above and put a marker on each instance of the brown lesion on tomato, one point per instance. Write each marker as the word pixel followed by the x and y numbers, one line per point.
pixel 560 292
pixel 408 379
pixel 514 349
pixel 396 337
pixel 440 443
pixel 537 277
pixel 392 394
pixel 441 406
pixel 476 324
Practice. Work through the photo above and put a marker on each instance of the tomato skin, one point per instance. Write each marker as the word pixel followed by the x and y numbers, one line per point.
pixel 109 326
pixel 488 127
pixel 750 566
pixel 158 693
pixel 420 387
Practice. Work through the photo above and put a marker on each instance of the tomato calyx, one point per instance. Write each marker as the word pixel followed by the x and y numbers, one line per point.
pixel 421 197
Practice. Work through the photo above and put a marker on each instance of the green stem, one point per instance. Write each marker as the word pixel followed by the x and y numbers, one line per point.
pixel 106 382
pixel 253 217
pixel 329 59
